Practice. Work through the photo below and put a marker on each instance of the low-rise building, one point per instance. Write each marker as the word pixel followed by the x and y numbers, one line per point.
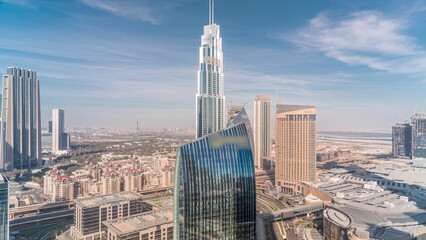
pixel 91 213
pixel 157 225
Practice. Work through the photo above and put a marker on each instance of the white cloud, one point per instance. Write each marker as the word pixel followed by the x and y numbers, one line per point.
pixel 142 10
pixel 17 2
pixel 366 38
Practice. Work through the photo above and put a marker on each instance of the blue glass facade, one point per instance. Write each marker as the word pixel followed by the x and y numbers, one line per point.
pixel 418 123
pixel 241 116
pixel 4 208
pixel 215 192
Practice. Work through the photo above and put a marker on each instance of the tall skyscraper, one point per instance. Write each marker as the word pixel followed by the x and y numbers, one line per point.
pixel 294 145
pixel 401 140
pixel 262 129
pixel 60 139
pixel 215 191
pixel 210 99
pixel 4 208
pixel 418 124
pixel 20 131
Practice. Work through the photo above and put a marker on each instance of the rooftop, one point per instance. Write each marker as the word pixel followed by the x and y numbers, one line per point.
pixel 106 199
pixel 141 221
pixel 3 179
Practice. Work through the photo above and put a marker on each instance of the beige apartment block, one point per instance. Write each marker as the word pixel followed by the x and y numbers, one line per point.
pixel 157 225
pixel 133 180
pixel 63 189
pixel 262 130
pixel 111 183
pixel 294 145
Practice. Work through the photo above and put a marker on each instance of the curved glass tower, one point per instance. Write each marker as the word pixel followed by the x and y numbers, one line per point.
pixel 215 191
pixel 238 114
pixel 210 99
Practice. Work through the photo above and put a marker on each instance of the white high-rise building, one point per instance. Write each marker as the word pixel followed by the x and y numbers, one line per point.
pixel 60 139
pixel 262 129
pixel 20 136
pixel 210 92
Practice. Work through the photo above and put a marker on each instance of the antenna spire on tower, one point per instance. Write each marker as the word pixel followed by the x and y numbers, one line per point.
pixel 211 12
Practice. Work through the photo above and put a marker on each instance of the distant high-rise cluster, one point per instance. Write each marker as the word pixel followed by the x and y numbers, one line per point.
pixel 210 103
pixel 409 139
pixel 262 130
pixel 20 130
pixel 60 139
pixel 295 156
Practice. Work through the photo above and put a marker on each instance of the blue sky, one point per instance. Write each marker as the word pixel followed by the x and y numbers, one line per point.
pixel 110 63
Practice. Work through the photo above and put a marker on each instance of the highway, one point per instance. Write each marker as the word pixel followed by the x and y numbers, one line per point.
pixel 273 200
pixel 20 223
pixel 291 231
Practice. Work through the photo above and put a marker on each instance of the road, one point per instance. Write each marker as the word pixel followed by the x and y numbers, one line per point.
pixel 263 208
pixel 291 231
pixel 273 200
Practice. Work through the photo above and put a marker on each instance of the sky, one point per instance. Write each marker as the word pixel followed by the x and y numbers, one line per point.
pixel 110 63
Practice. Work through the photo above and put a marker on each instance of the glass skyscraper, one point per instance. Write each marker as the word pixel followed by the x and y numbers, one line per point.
pixel 238 114
pixel 418 125
pixel 4 208
pixel 20 129
pixel 210 99
pixel 215 191
pixel 401 140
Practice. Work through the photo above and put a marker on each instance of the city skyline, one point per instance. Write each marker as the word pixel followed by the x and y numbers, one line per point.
pixel 110 66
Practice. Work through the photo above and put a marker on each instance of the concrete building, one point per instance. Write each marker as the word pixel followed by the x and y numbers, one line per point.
pixel 60 139
pixel 210 98
pixel 295 156
pixel 4 208
pixel 94 170
pixel 168 176
pixel 401 140
pixel 49 179
pixel 133 180
pixel 262 126
pixel 111 183
pixel 20 131
pixel 64 189
pixel 418 124
pixel 91 213
pixel 156 225
pixel 375 201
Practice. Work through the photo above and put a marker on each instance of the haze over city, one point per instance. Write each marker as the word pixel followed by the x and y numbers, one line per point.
pixel 362 64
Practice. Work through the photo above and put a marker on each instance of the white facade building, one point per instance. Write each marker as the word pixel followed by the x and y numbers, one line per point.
pixel 210 99
pixel 262 129
pixel 60 139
